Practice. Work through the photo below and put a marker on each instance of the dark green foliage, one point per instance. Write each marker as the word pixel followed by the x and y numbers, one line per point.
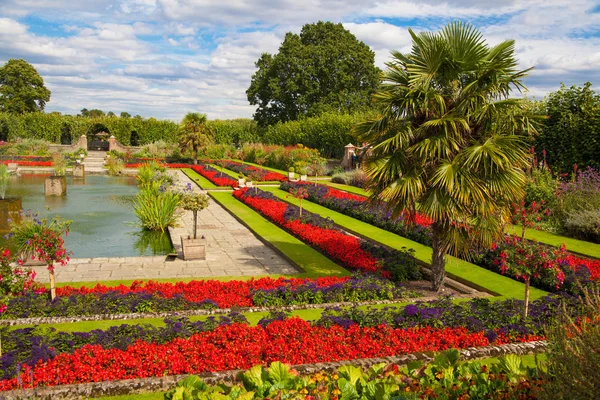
pixel 541 186
pixel 571 132
pixel 325 68
pixel 22 89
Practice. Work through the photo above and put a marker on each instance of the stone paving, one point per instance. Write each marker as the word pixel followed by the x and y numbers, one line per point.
pixel 232 250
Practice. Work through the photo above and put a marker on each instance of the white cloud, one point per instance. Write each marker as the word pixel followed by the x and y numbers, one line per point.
pixel 173 42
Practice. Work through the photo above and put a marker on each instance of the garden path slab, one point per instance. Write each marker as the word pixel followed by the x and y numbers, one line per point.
pixel 232 250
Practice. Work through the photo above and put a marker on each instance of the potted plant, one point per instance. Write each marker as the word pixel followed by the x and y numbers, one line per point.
pixel 56 185
pixel 241 180
pixel 193 248
pixel 12 152
pixel 303 174
pixel 40 239
pixel 9 207
pixel 291 173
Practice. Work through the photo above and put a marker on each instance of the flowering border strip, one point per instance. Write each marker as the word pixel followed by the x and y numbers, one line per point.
pixel 24 163
pixel 353 252
pixel 263 174
pixel 239 346
pixel 218 311
pixel 165 383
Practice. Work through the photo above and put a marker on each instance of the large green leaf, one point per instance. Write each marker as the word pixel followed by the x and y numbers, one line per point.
pixel 252 378
pixel 351 373
pixel 348 390
pixel 279 372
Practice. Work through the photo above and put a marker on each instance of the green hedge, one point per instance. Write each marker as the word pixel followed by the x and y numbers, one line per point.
pixel 328 133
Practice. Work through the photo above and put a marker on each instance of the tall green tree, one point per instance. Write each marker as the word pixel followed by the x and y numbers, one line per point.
pixel 22 89
pixel 325 68
pixel 571 132
pixel 450 143
pixel 194 133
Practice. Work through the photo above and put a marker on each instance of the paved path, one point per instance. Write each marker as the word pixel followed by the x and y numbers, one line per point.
pixel 232 250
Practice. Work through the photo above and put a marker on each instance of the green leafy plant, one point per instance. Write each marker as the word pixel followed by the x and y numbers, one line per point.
pixel 59 163
pixel 157 210
pixel 4 177
pixel 115 166
pixel 41 238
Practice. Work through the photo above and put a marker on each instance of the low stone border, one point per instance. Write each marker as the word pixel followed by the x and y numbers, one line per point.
pixel 216 311
pixel 165 383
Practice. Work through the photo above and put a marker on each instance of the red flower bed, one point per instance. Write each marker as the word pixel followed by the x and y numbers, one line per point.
pixel 214 176
pixel 29 163
pixel 592 265
pixel 240 346
pixel 225 294
pixel 259 174
pixel 337 244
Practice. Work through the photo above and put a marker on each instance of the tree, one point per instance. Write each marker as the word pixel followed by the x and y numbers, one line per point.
pixel 571 133
pixel 194 133
pixel 111 114
pixel 450 144
pixel 125 114
pixel 325 68
pixel 22 89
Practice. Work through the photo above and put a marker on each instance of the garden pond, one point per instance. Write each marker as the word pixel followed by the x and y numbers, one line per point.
pixel 104 224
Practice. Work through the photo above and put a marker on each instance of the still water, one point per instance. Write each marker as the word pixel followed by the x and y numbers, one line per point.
pixel 100 207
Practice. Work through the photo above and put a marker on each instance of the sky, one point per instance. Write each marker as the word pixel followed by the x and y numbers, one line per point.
pixel 164 58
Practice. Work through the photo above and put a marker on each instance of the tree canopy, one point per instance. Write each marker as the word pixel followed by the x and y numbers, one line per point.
pixel 22 89
pixel 450 144
pixel 194 133
pixel 571 132
pixel 325 68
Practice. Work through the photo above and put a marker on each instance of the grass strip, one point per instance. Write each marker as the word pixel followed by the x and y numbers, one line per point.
pixel 455 267
pixel 347 188
pixel 199 179
pixel 581 247
pixel 311 261
pixel 284 173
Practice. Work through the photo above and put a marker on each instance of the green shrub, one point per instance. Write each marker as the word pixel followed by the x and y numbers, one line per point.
pixel 115 166
pixel 573 355
pixel 33 147
pixel 542 186
pixel 584 224
pixel 156 209
pixel 355 177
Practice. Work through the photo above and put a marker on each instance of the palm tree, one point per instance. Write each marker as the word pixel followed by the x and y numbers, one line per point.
pixel 194 133
pixel 450 143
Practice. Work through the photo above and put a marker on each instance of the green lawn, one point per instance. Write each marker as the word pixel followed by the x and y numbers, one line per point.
pixel 311 261
pixel 347 188
pixel 573 245
pixel 199 179
pixel 456 268
pixel 263 167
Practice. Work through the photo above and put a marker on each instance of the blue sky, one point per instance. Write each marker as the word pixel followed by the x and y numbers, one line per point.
pixel 163 58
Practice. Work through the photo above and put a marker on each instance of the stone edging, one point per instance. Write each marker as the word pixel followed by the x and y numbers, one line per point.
pixel 217 311
pixel 165 383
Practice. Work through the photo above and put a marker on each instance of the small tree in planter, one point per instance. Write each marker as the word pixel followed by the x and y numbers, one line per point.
pixel 317 167
pixel 39 238
pixel 194 202
pixel 301 194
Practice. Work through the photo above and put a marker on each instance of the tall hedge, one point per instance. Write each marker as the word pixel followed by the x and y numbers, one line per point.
pixel 328 133
pixel 570 134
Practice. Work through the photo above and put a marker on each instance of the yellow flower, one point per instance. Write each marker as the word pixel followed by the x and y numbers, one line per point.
pixel 336 392
pixel 335 377
pixel 304 391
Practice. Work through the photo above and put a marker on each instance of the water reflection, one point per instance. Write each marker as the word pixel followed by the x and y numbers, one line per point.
pixel 104 224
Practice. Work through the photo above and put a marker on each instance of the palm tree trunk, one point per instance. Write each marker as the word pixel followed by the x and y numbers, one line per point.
pixel 438 262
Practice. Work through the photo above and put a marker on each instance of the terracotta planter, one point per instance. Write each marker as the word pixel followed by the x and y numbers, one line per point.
pixel 290 175
pixel 55 186
pixel 193 249
pixel 9 210
pixel 303 178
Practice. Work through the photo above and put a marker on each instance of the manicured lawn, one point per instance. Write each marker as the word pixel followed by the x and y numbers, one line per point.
pixel 455 267
pixel 574 245
pixel 347 188
pixel 311 261
pixel 263 167
pixel 199 179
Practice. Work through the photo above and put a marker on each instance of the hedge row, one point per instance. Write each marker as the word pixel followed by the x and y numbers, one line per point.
pixel 328 133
